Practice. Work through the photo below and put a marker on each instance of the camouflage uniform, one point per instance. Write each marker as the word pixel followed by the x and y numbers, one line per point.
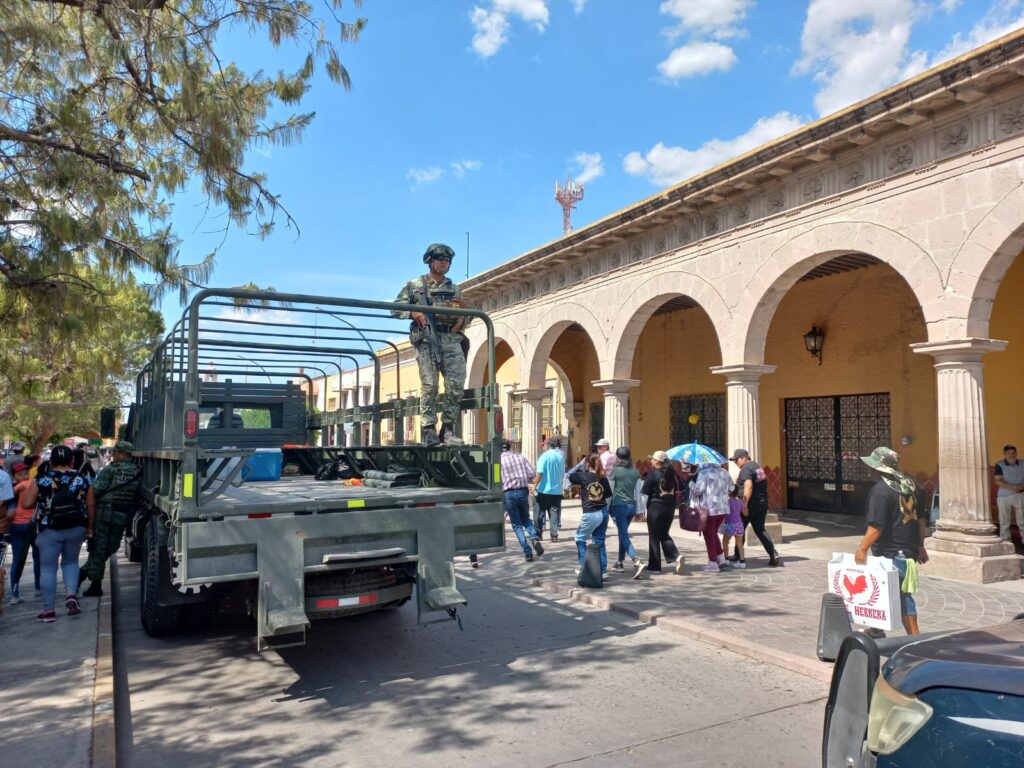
pixel 114 509
pixel 442 294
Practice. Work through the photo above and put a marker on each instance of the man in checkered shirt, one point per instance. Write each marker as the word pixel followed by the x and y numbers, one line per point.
pixel 516 475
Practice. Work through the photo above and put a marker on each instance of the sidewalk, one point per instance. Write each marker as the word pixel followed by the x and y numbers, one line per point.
pixel 763 612
pixel 49 683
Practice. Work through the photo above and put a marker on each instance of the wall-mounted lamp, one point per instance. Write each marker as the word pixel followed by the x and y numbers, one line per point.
pixel 814 340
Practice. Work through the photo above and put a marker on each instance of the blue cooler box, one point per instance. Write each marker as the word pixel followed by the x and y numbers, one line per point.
pixel 265 464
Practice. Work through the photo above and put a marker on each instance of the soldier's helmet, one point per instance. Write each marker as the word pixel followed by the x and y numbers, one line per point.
pixel 438 251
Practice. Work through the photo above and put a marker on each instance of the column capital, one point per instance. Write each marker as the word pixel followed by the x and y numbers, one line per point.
pixel 616 386
pixel 531 394
pixel 968 350
pixel 743 371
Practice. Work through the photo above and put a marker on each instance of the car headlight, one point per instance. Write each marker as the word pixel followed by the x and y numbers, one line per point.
pixel 894 718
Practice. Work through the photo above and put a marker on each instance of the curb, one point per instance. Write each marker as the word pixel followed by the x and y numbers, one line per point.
pixel 103 753
pixel 818 670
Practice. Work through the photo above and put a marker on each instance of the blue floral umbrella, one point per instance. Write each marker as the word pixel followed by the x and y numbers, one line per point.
pixel 695 453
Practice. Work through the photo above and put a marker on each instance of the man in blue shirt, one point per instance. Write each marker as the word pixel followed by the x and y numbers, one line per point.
pixel 547 485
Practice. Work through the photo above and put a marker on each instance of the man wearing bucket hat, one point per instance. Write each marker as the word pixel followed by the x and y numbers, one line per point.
pixel 894 528
pixel 116 487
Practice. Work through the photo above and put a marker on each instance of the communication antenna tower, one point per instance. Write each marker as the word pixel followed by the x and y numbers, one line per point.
pixel 567 197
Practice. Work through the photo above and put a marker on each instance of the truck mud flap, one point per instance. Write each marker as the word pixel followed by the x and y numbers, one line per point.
pixel 281 620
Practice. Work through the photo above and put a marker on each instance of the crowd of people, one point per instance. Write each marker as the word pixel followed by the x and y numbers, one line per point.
pixel 612 488
pixel 50 505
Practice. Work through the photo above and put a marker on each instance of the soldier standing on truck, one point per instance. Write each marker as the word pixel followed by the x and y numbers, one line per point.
pixel 116 487
pixel 448 355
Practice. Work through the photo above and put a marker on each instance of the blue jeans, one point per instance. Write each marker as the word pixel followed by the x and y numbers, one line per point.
pixel 622 514
pixel 22 539
pixel 907 603
pixel 517 504
pixel 63 546
pixel 595 525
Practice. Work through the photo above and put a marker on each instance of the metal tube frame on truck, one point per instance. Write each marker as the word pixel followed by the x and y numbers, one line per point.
pixel 308 549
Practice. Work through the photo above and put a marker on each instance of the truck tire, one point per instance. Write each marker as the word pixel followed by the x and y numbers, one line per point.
pixel 158 620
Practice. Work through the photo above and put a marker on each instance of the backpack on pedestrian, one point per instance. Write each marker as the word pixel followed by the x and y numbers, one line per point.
pixel 59 507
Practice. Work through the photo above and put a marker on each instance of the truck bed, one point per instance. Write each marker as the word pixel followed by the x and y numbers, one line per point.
pixel 303 494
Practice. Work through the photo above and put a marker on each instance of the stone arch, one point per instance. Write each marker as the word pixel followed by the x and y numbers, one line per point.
pixel 477 362
pixel 645 300
pixel 802 253
pixel 547 331
pixel 983 260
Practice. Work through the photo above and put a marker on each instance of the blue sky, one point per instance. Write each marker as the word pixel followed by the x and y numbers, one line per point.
pixel 462 116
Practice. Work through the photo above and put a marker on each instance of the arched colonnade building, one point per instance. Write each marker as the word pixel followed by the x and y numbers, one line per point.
pixel 895 227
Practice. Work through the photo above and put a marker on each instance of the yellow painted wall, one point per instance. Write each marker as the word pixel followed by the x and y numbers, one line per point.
pixel 1004 371
pixel 673 357
pixel 869 317
pixel 575 353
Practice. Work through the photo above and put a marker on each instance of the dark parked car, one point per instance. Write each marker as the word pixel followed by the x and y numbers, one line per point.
pixel 944 700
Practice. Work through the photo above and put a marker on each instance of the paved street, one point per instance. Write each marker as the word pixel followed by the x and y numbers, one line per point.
pixel 533 680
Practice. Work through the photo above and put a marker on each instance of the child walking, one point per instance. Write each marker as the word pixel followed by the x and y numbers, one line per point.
pixel 732 527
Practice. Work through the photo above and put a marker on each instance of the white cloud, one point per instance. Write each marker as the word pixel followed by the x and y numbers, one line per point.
pixel 855 49
pixel 578 5
pixel 424 175
pixel 461 167
pixel 668 165
pixel 491 31
pixel 698 58
pixel 1003 17
pixel 718 18
pixel 491 24
pixel 589 166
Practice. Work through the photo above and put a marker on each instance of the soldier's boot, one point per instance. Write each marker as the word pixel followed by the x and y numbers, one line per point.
pixel 448 435
pixel 430 436
pixel 95 589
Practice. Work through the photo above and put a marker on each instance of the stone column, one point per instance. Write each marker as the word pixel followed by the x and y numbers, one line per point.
pixel 531 402
pixel 616 410
pixel 742 407
pixel 743 427
pixel 471 426
pixel 966 544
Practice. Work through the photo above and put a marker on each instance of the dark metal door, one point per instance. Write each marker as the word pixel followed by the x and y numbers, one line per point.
pixel 825 438
pixel 697 419
pixel 597 424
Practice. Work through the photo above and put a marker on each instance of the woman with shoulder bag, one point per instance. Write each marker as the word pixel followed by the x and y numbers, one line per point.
pixel 595 493
pixel 660 486
pixel 65 508
pixel 710 492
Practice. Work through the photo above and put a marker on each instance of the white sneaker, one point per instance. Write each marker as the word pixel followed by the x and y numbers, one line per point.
pixel 576 571
pixel 14 600
pixel 639 572
pixel 739 564
pixel 680 564
pixel 712 568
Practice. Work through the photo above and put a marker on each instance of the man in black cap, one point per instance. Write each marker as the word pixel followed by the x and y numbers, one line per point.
pixel 753 485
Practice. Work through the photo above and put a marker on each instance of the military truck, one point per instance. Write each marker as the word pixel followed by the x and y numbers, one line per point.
pixel 233 383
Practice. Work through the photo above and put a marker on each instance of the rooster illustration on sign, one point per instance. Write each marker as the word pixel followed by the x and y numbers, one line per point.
pixel 855 586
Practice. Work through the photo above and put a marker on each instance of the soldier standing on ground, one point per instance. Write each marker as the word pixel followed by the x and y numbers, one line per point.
pixel 116 488
pixel 435 289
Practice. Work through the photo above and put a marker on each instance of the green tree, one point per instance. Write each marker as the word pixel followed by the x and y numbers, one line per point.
pixel 110 107
pixel 57 371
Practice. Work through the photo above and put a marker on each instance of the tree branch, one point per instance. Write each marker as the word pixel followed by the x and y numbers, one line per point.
pixel 9 132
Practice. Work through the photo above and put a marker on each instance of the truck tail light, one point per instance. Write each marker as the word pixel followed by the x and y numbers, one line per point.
pixel 191 422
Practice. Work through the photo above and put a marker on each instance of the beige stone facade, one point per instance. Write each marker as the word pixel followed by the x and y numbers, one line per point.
pixel 895 226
